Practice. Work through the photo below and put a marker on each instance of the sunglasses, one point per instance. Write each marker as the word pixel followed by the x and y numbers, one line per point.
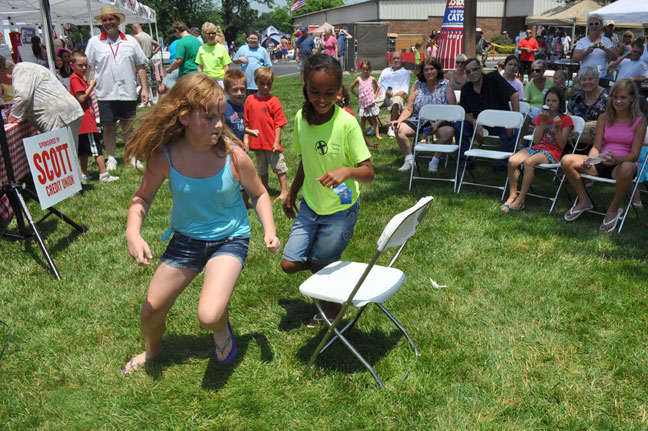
pixel 460 62
pixel 536 70
pixel 212 33
pixel 474 69
pixel 594 23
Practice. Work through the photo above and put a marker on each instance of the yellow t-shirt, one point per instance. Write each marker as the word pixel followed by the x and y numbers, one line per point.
pixel 336 143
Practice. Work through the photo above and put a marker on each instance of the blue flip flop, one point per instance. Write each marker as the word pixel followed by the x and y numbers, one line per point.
pixel 232 352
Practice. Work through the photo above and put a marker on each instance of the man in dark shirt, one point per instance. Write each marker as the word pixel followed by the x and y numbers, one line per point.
pixel 305 46
pixel 485 91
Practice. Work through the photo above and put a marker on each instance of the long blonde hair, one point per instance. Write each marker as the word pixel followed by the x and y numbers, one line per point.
pixel 161 125
pixel 629 86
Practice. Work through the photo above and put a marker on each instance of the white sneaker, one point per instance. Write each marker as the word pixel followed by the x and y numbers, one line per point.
pixel 406 166
pixel 370 131
pixel 390 132
pixel 434 165
pixel 136 163
pixel 111 163
pixel 84 179
pixel 107 178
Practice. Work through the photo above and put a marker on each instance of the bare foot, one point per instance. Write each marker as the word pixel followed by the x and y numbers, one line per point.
pixel 378 137
pixel 135 362
pixel 372 144
pixel 281 198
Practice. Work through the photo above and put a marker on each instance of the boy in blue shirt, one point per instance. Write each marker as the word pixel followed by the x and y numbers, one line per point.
pixel 235 83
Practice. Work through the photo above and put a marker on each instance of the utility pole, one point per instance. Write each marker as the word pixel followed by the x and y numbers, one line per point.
pixel 470 24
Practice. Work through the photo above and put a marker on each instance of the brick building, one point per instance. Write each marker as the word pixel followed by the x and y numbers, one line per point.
pixel 416 19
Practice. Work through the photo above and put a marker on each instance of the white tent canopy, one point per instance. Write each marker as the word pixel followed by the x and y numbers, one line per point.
pixel 625 13
pixel 76 12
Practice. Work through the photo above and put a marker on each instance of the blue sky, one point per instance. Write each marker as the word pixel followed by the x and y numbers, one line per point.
pixel 263 8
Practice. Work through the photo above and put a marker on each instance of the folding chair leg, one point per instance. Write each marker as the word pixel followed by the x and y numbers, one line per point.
pixel 346 328
pixel 409 339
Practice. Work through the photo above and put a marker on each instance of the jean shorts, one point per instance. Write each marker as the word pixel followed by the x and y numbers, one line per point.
pixel 320 239
pixel 189 253
pixel 550 157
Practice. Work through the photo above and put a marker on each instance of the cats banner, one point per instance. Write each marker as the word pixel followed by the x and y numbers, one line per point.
pixel 451 36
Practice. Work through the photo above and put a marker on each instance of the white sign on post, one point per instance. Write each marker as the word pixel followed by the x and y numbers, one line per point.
pixel 54 166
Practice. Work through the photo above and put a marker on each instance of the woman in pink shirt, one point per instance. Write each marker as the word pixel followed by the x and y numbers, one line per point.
pixel 330 43
pixel 620 133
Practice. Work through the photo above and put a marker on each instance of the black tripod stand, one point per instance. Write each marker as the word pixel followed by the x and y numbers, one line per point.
pixel 14 191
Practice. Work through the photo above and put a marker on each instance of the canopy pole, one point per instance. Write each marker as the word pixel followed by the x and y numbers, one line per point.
pixel 91 19
pixel 47 33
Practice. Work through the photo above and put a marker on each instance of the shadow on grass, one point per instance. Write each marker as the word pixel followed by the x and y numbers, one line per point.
pixel 298 313
pixel 179 348
pixel 373 346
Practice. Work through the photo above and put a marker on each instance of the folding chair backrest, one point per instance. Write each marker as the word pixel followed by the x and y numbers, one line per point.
pixel 442 112
pixel 525 108
pixel 403 225
pixel 497 118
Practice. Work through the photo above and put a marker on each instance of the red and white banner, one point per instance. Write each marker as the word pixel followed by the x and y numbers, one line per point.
pixel 451 37
pixel 54 166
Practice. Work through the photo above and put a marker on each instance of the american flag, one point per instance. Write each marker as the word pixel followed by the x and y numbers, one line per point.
pixel 297 5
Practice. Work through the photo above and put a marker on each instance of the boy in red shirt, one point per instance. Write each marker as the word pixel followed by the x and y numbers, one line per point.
pixel 263 113
pixel 89 138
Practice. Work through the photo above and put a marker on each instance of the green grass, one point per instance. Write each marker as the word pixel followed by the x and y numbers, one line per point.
pixel 542 325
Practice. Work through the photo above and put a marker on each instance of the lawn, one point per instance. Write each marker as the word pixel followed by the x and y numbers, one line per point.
pixel 542 325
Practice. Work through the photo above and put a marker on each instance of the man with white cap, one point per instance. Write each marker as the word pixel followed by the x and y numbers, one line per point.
pixel 610 34
pixel 481 48
pixel 114 58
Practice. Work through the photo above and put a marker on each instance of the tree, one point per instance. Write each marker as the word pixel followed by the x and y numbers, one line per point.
pixel 280 18
pixel 238 17
pixel 192 12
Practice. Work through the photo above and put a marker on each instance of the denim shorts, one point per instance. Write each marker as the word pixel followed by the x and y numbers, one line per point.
pixel 533 152
pixel 320 239
pixel 189 253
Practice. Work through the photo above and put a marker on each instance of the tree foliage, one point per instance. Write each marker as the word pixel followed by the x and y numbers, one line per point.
pixel 280 18
pixel 192 12
pixel 239 17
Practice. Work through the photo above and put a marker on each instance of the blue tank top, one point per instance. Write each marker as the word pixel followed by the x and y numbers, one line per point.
pixel 207 208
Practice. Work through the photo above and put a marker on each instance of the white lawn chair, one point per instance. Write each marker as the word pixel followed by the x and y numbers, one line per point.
pixel 449 113
pixel 635 189
pixel 492 118
pixel 361 284
pixel 579 126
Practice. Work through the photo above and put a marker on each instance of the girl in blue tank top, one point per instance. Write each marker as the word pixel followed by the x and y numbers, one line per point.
pixel 183 139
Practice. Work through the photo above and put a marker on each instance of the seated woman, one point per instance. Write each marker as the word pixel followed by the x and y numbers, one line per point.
pixel 589 101
pixel 620 134
pixel 459 74
pixel 553 127
pixel 511 66
pixel 537 87
pixel 431 88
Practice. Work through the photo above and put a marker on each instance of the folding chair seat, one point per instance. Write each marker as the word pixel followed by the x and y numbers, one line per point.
pixel 492 118
pixel 554 168
pixel 451 113
pixel 635 189
pixel 361 284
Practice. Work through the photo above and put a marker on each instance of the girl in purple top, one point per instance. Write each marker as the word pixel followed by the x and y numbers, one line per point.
pixel 620 133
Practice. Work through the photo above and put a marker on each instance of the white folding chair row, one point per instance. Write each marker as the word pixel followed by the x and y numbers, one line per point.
pixel 450 113
pixel 579 126
pixel 635 189
pixel 361 284
pixel 492 118
pixel 525 108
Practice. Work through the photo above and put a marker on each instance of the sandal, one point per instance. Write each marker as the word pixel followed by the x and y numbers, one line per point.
pixel 130 367
pixel 609 226
pixel 230 340
pixel 573 214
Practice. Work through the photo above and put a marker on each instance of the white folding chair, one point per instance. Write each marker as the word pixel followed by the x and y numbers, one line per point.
pixel 449 113
pixel 361 284
pixel 492 118
pixel 525 108
pixel 554 168
pixel 635 189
